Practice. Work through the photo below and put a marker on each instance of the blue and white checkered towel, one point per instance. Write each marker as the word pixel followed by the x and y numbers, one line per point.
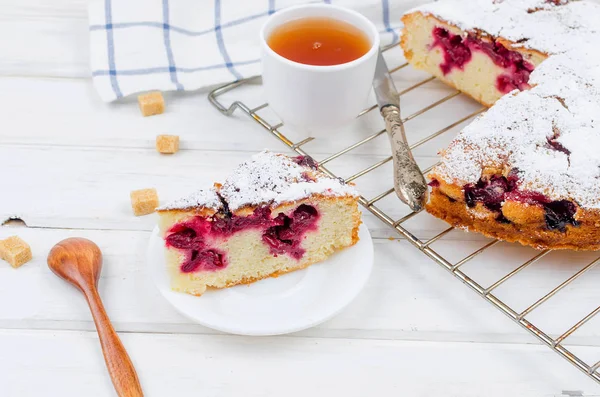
pixel 142 45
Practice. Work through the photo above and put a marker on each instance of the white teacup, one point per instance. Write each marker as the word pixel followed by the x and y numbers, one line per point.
pixel 316 98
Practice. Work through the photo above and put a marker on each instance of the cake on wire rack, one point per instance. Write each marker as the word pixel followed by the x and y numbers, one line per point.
pixel 527 170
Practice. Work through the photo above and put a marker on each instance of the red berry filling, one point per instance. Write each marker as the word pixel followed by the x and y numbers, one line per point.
pixel 458 52
pixel 526 197
pixel 203 260
pixel 555 145
pixel 287 234
pixel 283 234
pixel 494 191
pixel 226 226
pixel 185 239
pixel 489 192
pixel 559 214
pixel 306 161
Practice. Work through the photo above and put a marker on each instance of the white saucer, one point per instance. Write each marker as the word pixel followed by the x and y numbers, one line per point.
pixel 273 306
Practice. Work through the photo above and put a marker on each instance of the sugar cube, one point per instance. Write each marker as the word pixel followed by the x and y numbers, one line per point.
pixel 144 201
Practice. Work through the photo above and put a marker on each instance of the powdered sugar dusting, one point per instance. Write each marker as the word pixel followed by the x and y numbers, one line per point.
pixel 267 179
pixel 207 198
pixel 523 129
pixel 536 24
pixel 275 178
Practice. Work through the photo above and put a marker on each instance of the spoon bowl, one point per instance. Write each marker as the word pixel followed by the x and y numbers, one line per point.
pixel 77 261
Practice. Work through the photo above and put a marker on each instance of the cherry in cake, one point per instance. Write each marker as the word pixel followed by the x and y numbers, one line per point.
pixel 528 169
pixel 457 52
pixel 273 215
pixel 483 66
pixel 498 189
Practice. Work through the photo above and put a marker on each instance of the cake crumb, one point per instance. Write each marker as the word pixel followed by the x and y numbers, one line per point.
pixel 144 201
pixel 167 144
pixel 15 251
pixel 151 103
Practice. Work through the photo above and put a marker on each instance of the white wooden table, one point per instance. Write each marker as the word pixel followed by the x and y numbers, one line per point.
pixel 67 164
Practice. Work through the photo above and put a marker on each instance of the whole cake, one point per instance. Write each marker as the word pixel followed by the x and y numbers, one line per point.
pixel 528 169
pixel 273 215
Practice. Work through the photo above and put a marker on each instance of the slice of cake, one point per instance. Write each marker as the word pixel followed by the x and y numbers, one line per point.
pixel 481 63
pixel 273 215
pixel 527 170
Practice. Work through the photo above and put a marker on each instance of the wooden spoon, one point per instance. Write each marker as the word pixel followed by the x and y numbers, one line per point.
pixel 79 261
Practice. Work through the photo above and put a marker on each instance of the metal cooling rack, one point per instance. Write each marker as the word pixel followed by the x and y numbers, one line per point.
pixel 556 344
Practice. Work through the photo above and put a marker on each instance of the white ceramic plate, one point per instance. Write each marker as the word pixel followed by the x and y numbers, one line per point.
pixel 273 306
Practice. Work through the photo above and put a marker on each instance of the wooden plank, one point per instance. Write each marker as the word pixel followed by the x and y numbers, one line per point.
pixel 36 115
pixel 83 187
pixel 408 296
pixel 52 38
pixel 70 363
pixel 79 135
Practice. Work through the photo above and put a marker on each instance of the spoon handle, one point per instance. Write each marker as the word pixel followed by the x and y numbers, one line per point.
pixel 118 363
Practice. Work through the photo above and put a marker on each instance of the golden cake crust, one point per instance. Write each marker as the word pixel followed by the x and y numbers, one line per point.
pixel 586 236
